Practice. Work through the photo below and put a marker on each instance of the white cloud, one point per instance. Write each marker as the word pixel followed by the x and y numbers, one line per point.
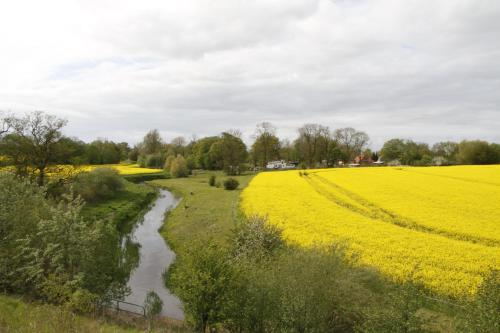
pixel 429 70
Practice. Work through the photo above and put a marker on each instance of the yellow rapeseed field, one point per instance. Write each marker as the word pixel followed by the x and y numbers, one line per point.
pixel 123 169
pixel 438 225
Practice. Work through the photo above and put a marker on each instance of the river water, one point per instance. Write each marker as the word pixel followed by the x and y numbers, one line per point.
pixel 155 258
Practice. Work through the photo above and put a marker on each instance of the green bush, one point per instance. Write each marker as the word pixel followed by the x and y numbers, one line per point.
pixel 155 161
pixel 211 180
pixel 168 162
pixel 231 184
pixel 98 184
pixel 179 167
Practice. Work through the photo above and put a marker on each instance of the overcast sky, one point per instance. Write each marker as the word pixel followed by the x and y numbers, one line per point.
pixel 426 70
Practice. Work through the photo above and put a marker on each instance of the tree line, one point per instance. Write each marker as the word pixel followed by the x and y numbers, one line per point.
pixel 35 142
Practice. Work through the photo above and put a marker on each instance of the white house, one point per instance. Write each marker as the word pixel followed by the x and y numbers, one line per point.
pixel 281 164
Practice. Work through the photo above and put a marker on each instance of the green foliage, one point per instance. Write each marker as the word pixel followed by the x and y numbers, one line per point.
pixel 204 279
pixel 106 152
pixel 481 315
pixel 231 184
pixel 266 146
pixel 477 152
pixel 151 143
pixel 406 152
pixel 155 160
pixel 168 162
pixel 211 180
pixel 153 304
pixel 33 144
pixel 231 150
pixel 122 210
pixel 179 167
pixel 49 251
pixel 400 315
pixel 254 238
pixel 98 184
pixel 201 153
pixel 145 177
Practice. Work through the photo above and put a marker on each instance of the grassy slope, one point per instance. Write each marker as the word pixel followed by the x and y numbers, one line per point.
pixel 123 209
pixel 18 316
pixel 204 211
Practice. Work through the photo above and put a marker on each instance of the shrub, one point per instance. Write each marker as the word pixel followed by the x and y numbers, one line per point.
pixel 141 161
pixel 179 167
pixel 168 162
pixel 211 180
pixel 155 161
pixel 231 184
pixel 98 184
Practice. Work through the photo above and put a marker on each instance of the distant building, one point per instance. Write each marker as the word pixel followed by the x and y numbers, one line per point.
pixel 280 165
pixel 362 159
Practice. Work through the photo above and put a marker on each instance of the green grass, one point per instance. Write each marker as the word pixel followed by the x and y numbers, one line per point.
pixel 17 316
pixel 124 208
pixel 204 212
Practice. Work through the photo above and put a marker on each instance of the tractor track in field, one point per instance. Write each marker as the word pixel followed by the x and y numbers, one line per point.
pixel 368 209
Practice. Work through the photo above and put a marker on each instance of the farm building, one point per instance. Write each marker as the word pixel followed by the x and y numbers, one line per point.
pixel 280 164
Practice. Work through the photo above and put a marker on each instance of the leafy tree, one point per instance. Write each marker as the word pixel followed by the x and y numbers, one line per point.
pixel 204 279
pixel 71 151
pixel 201 153
pixel 446 149
pixel 153 306
pixel 312 143
pixel 179 167
pixel 104 152
pixel 476 152
pixel 151 143
pixel 232 151
pixel 48 251
pixel 351 142
pixel 33 143
pixel 393 150
pixel 168 162
pixel 98 184
pixel 267 145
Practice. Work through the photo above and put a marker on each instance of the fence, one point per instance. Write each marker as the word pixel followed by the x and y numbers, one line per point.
pixel 127 307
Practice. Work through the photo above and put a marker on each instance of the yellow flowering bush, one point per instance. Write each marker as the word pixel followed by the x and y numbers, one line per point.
pixel 441 226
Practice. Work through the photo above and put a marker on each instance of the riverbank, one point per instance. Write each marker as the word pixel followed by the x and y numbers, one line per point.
pixel 155 258
pixel 124 209
pixel 205 212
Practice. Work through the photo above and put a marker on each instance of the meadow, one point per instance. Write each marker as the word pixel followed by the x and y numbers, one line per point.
pixel 436 226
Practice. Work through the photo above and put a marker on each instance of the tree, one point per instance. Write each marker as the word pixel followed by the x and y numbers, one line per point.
pixel 232 151
pixel 201 153
pixel 151 143
pixel 5 123
pixel 204 279
pixel 34 142
pixel 49 251
pixel 447 150
pixel 313 143
pixel 152 306
pixel 179 168
pixel 476 152
pixel 267 145
pixel 351 142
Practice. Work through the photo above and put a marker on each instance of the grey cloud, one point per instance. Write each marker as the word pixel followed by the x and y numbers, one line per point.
pixel 418 69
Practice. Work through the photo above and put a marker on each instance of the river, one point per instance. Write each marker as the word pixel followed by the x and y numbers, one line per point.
pixel 155 258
